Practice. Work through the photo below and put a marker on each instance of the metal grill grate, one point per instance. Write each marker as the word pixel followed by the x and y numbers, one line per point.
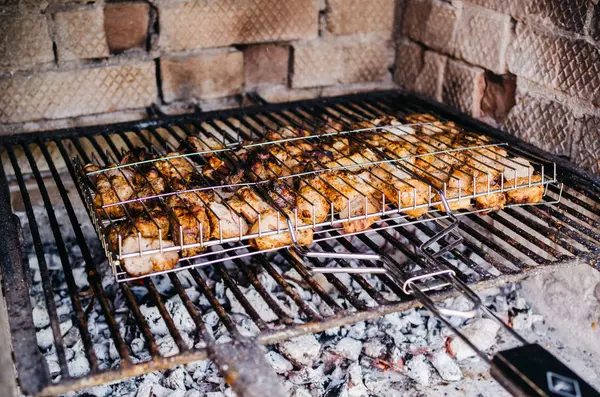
pixel 497 248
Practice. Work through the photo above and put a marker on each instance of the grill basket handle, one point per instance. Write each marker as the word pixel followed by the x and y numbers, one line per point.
pixel 532 371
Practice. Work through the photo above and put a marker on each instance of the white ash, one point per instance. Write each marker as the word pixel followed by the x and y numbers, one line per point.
pixel 395 355
pixel 481 333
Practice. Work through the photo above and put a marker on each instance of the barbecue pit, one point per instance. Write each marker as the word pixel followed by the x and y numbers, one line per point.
pixel 86 86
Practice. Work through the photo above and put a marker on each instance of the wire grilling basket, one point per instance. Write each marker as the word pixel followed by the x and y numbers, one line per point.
pixel 376 174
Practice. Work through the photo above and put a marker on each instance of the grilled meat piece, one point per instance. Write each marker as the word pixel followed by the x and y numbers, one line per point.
pixel 149 223
pixel 525 194
pixel 146 264
pixel 192 225
pixel 224 222
pixel 110 190
pixel 269 223
pixel 248 203
pixel 175 168
pixel 361 207
pixel 203 144
pixel 408 193
pixel 312 202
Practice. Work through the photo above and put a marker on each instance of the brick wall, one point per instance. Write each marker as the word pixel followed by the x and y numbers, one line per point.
pixel 70 62
pixel 531 67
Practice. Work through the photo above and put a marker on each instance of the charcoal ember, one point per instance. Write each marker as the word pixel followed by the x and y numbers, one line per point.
pixel 349 348
pixel 356 386
pixel 525 320
pixel 279 363
pixel 357 331
pixel 151 387
pixel 446 366
pixel 167 346
pixel 41 319
pixel 307 376
pixel 45 337
pixel 215 394
pixel 365 297
pixel 263 309
pixel 301 392
pixel 246 326
pixel 302 350
pixel 154 319
pixel 178 379
pixel 374 348
pixel 482 333
pixel 418 370
pixel 182 319
pixel 79 365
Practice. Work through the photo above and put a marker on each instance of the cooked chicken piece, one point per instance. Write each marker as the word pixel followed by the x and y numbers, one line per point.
pixel 146 264
pixel 113 231
pixel 110 190
pixel 224 222
pixel 284 132
pixel 188 198
pixel 331 127
pixel 203 144
pixel 403 194
pixel 268 223
pixel 282 194
pixel 312 202
pixel 337 146
pixel 435 126
pixel 149 223
pixel 381 121
pixel 193 225
pixel 454 205
pixel 248 203
pixel 343 186
pixel 176 167
pixel 360 206
pixel 366 156
pixel 491 202
pixel 525 194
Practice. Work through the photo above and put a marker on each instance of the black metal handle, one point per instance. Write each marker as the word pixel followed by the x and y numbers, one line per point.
pixel 531 371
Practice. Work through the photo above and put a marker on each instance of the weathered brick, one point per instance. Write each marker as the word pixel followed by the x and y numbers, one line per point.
pixel 463 87
pixel 80 34
pixel 595 24
pixel 499 97
pixel 217 23
pixel 53 95
pixel 210 75
pixel 266 64
pixel 126 26
pixel 430 22
pixel 570 14
pixel 482 38
pixel 334 61
pixel 279 93
pixel 585 151
pixel 24 41
pixel 510 7
pixel 568 65
pixel 565 14
pixel 430 80
pixel 358 16
pixel 542 122
pixel 409 62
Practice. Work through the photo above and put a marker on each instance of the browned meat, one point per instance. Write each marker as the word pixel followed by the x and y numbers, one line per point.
pixel 224 222
pixel 145 264
pixel 248 203
pixel 192 225
pixel 268 223
pixel 176 167
pixel 524 194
